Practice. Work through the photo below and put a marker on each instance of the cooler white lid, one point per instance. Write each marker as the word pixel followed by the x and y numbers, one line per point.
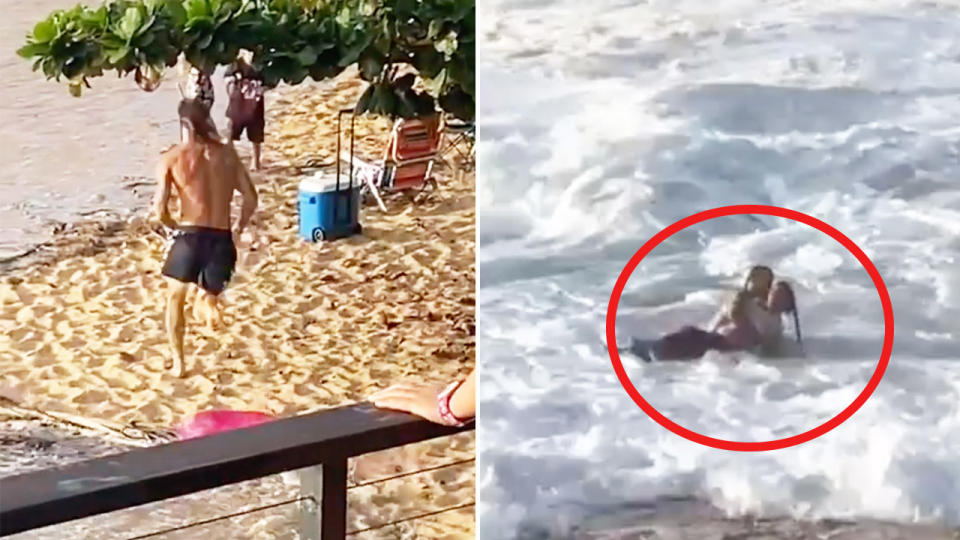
pixel 323 182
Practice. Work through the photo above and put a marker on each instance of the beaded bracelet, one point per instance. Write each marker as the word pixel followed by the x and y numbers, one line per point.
pixel 443 405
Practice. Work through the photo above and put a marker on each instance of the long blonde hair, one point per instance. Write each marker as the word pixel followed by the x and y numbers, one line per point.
pixel 792 305
pixel 197 118
pixel 183 74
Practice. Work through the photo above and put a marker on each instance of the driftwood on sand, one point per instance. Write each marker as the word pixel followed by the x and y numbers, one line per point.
pixel 127 434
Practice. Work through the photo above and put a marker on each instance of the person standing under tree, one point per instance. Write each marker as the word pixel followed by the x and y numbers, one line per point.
pixel 245 110
pixel 197 85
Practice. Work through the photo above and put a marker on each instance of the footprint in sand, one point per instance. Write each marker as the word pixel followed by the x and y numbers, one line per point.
pixel 119 377
pixel 127 333
pixel 129 295
pixel 156 413
pixel 43 357
pixel 91 396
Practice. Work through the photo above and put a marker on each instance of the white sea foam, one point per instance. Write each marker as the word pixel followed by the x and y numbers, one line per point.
pixel 603 122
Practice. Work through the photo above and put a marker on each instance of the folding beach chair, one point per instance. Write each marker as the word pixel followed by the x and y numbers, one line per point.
pixel 459 138
pixel 407 162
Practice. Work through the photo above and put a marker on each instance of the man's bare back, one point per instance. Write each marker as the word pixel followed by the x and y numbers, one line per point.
pixel 205 175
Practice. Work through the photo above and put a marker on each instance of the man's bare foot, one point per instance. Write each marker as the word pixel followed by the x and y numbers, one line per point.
pixel 207 310
pixel 214 320
pixel 175 366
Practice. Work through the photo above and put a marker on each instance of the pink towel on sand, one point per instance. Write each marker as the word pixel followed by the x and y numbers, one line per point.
pixel 211 422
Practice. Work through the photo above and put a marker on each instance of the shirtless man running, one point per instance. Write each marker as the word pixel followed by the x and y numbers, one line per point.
pixel 205 173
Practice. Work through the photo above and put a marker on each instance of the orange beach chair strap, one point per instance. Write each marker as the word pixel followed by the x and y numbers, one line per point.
pixel 411 152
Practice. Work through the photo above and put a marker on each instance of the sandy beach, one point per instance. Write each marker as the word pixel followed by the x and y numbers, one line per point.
pixel 307 326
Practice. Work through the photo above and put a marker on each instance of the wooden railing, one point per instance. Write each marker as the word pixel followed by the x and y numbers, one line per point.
pixel 324 440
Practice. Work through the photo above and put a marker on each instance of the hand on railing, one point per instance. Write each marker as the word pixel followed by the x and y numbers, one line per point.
pixel 453 404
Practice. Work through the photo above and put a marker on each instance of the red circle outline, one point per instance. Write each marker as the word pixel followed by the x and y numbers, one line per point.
pixel 759 446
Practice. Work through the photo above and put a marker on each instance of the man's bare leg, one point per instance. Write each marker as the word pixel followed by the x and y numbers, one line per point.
pixel 175 325
pixel 256 156
pixel 228 138
pixel 196 300
pixel 211 309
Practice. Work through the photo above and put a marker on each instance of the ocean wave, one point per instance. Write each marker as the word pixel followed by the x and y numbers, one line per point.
pixel 602 123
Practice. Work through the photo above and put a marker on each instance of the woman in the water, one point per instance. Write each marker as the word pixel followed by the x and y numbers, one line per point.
pixel 752 322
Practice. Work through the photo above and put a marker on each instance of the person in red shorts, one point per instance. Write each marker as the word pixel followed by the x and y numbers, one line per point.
pixel 245 110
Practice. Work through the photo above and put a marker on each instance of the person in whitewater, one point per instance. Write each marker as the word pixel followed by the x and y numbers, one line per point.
pixel 246 108
pixel 751 322
pixel 205 173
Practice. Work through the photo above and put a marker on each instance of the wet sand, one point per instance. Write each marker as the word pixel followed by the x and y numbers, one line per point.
pixel 684 518
pixel 771 529
pixel 307 326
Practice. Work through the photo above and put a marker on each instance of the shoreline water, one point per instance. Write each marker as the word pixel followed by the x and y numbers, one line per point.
pixel 64 157
pixel 91 231
pixel 67 158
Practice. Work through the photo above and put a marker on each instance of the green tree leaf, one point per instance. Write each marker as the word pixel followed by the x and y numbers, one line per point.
pixel 176 12
pixel 428 61
pixel 204 41
pixel 363 104
pixel 117 55
pixel 95 18
pixel 198 8
pixel 33 49
pixel 145 40
pixel 131 22
pixel 307 56
pixel 371 64
pixel 50 69
pixel 291 40
pixel 45 31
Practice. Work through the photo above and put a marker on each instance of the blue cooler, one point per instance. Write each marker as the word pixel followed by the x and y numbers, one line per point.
pixel 327 212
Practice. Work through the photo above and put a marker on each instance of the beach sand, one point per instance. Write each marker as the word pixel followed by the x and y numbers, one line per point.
pixel 307 326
